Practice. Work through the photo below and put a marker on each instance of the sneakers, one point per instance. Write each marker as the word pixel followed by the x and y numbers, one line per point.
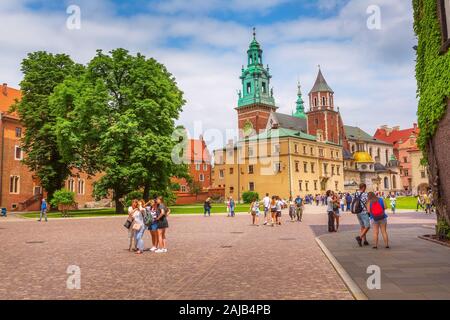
pixel 153 249
pixel 160 250
pixel 366 243
pixel 359 240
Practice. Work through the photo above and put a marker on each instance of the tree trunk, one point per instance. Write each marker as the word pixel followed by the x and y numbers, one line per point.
pixel 146 193
pixel 439 168
pixel 119 206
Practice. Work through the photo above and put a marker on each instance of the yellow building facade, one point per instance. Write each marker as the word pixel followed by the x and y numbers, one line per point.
pixel 280 162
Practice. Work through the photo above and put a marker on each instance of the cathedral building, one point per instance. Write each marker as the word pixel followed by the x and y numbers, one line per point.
pixel 307 152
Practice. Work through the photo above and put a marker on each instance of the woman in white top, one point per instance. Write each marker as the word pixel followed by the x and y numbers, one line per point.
pixel 131 231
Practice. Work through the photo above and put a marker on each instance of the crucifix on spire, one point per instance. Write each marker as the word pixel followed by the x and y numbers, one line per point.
pixel 254 33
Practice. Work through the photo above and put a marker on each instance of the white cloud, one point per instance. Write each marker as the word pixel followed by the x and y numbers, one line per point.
pixel 371 72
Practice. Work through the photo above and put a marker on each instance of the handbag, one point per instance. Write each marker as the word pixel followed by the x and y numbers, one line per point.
pixel 127 224
pixel 137 226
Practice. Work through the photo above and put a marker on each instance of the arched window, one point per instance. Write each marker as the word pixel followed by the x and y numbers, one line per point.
pixel 394 182
pixel 324 101
pixel 315 102
pixel 370 151
pixel 379 154
pixel 386 183
pixel 353 148
pixel 387 155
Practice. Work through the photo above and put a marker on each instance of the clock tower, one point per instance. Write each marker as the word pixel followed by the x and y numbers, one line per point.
pixel 255 99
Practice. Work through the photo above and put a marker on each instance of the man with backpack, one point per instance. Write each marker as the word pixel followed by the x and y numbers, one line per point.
pixel 359 207
pixel 299 208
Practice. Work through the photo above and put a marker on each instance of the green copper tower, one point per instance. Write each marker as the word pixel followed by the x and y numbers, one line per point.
pixel 300 109
pixel 255 79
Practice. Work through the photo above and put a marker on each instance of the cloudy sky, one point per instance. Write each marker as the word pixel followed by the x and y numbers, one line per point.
pixel 204 42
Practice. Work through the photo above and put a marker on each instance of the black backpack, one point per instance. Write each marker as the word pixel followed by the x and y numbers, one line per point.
pixel 357 206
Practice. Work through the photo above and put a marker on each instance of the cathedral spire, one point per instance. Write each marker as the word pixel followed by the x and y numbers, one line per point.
pixel 300 109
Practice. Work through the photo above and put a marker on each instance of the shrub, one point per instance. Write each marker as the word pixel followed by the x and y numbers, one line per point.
pixel 63 200
pixel 250 196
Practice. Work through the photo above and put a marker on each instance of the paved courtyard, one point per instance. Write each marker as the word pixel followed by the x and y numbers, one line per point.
pixel 208 258
pixel 217 258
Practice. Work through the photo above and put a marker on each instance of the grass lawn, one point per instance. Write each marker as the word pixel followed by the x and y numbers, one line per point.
pixel 404 203
pixel 187 209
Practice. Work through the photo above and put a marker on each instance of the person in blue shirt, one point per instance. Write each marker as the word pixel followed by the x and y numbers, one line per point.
pixel 43 210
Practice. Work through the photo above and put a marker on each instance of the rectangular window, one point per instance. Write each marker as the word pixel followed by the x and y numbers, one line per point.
pixel 405 159
pixel 205 167
pixel 297 166
pixel 406 172
pixel 18 154
pixel 231 189
pixel 250 169
pixel 306 185
pixel 312 151
pixel 18 132
pixel 197 166
pixel 315 184
pixel 338 169
pixel 332 170
pixel 251 186
pixel 81 186
pixel 300 182
pixel 231 170
pixel 71 185
pixel 320 152
pixel 277 167
pixel 325 168
pixel 201 177
pixel 422 174
pixel 276 149
pixel 249 87
pixel 305 167
pixel 14 184
pixel 296 148
pixel 250 151
pixel 312 167
pixel 221 174
pixel 304 149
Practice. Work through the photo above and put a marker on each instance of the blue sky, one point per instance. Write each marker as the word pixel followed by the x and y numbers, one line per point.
pixel 203 43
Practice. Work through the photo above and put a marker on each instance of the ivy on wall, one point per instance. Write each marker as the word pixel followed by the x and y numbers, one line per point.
pixel 432 70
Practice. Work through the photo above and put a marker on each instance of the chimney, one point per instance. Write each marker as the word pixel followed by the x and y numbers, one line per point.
pixel 415 126
pixel 396 128
pixel 200 137
pixel 5 89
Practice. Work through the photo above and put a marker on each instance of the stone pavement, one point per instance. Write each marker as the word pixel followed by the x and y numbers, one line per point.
pixel 208 258
pixel 411 269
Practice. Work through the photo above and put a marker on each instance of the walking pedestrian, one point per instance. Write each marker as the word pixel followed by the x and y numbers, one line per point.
pixel 254 210
pixel 292 209
pixel 330 211
pixel 299 208
pixel 273 209
pixel 377 210
pixel 278 206
pixel 359 207
pixel 207 207
pixel 393 200
pixel 232 205
pixel 43 210
pixel 266 204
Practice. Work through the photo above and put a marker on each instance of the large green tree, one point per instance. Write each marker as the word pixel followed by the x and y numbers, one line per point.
pixel 118 119
pixel 42 72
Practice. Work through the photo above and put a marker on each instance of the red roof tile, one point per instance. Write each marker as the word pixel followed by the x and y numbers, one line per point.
pixel 395 135
pixel 8 97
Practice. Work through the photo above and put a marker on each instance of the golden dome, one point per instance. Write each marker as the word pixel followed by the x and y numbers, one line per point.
pixel 362 156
